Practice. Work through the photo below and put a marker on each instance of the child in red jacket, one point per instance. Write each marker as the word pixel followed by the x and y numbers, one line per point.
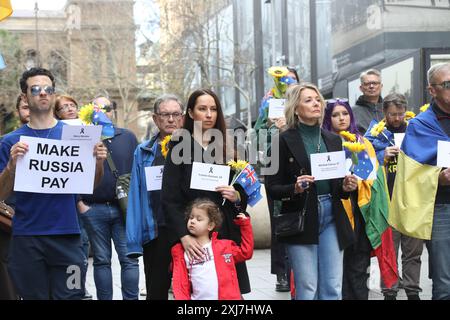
pixel 213 277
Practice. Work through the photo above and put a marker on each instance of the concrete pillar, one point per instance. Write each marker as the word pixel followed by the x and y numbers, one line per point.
pixel 261 222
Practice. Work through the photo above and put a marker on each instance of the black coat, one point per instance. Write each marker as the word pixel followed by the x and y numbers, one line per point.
pixel 293 159
pixel 177 194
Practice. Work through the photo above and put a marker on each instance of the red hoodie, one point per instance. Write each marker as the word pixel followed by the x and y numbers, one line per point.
pixel 226 254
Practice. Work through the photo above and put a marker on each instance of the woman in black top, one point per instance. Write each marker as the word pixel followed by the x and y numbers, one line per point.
pixel 316 254
pixel 202 140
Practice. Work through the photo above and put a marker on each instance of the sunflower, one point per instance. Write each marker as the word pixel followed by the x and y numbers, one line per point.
pixel 378 128
pixel 424 107
pixel 278 72
pixel 348 136
pixel 355 147
pixel 85 113
pixel 409 115
pixel 165 145
pixel 237 166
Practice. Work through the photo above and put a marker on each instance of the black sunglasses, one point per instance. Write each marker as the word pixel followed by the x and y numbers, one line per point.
pixel 445 84
pixel 36 90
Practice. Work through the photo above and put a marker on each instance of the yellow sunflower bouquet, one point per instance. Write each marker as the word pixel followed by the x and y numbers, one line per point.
pixel 353 146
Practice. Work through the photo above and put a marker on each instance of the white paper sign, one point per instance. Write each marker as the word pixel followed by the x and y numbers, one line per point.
pixel 56 166
pixel 276 108
pixel 443 154
pixel 91 134
pixel 209 176
pixel 398 139
pixel 330 165
pixel 73 122
pixel 153 177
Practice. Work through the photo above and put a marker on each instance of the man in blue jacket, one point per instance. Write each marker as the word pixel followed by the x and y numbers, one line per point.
pixel 147 233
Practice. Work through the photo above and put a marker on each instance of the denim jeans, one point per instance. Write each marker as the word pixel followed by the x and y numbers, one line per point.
pixel 440 252
pixel 318 268
pixel 104 222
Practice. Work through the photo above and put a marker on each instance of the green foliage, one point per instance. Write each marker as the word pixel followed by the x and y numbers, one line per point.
pixel 11 52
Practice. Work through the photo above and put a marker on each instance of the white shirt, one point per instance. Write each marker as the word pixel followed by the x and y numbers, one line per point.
pixel 203 275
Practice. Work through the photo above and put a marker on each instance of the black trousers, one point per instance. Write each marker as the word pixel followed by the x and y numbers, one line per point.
pixel 278 254
pixel 7 291
pixel 356 270
pixel 157 260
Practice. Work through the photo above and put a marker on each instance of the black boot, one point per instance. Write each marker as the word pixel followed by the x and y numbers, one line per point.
pixel 282 283
pixel 413 296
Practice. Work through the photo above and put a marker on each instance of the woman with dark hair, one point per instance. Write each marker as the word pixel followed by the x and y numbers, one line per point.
pixel 316 253
pixel 339 117
pixel 202 140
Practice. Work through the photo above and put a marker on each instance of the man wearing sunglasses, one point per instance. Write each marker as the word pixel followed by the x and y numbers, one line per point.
pixel 46 243
pixel 103 220
pixel 369 105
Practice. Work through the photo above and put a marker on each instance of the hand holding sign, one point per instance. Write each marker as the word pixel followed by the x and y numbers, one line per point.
pixel 17 150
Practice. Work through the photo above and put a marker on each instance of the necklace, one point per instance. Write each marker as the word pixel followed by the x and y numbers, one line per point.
pixel 36 134
pixel 310 140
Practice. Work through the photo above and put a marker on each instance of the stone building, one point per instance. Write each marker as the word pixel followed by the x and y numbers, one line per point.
pixel 90 47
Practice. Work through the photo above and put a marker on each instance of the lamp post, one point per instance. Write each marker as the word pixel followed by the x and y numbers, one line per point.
pixel 36 10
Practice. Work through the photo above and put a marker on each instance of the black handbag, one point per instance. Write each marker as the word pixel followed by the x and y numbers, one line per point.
pixel 291 223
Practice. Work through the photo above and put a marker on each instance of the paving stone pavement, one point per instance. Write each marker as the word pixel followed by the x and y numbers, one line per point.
pixel 263 283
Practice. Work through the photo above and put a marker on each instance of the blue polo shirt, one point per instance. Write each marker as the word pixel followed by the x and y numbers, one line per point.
pixel 40 213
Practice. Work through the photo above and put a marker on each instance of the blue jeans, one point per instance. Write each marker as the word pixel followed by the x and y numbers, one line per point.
pixel 318 268
pixel 440 252
pixel 104 222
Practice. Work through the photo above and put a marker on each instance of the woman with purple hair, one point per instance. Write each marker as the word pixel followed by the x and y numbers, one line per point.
pixel 339 117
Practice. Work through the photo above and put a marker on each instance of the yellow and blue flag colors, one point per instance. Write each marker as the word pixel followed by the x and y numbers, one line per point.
pixel 5 9
pixel 416 183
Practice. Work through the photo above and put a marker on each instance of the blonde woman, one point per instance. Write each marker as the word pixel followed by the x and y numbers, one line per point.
pixel 316 254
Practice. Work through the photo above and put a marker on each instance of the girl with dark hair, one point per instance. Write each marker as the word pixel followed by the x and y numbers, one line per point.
pixel 203 115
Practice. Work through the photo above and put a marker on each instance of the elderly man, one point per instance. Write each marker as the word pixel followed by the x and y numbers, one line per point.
pixel 147 233
pixel 368 107
pixel 426 198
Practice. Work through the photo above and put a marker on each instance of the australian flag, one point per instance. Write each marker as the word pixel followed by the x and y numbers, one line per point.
pixel 249 181
pixel 364 166
pixel 100 118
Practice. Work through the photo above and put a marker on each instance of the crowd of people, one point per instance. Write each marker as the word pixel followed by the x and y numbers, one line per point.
pixel 196 240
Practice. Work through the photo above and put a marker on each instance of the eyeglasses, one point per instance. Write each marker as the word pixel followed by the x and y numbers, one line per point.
pixel 36 90
pixel 343 100
pixel 445 84
pixel 66 106
pixel 167 115
pixel 396 114
pixel 371 83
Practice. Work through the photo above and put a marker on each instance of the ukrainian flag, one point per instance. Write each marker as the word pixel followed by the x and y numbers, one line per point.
pixel 5 9
pixel 416 182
